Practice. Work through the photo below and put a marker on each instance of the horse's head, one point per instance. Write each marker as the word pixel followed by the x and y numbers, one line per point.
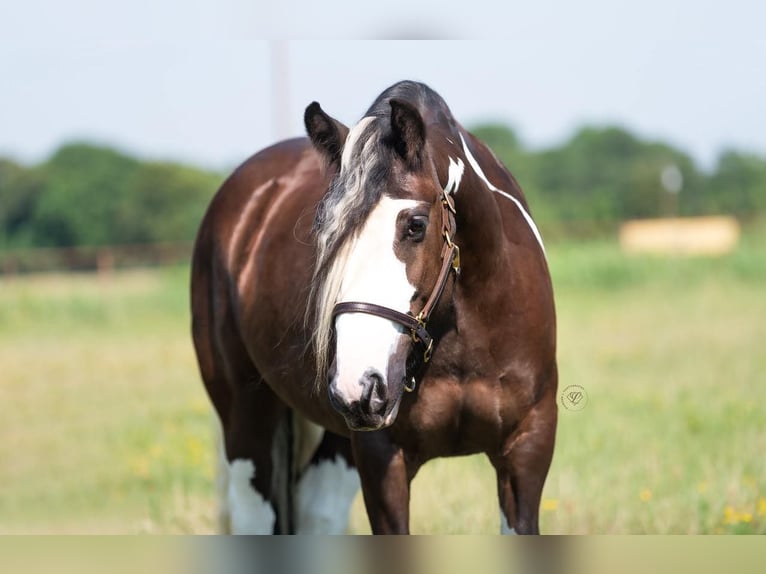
pixel 381 244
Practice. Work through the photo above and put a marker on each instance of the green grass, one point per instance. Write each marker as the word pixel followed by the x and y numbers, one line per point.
pixel 670 352
pixel 105 427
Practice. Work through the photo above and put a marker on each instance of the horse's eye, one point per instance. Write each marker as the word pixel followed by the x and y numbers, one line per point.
pixel 416 228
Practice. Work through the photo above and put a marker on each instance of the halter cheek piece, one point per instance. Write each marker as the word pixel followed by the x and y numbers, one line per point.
pixel 450 257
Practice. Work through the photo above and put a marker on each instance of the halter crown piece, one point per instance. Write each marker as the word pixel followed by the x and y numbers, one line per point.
pixel 450 256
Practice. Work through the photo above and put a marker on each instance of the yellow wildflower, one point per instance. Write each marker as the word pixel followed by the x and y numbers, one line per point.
pixel 730 516
pixel 645 495
pixel 550 504
pixel 140 467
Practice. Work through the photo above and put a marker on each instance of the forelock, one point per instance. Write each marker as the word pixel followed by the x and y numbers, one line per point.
pixel 352 195
pixel 356 189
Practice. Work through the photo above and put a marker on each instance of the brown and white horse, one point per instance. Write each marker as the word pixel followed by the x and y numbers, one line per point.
pixel 366 300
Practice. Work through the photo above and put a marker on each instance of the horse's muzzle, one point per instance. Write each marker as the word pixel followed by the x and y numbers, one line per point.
pixel 371 409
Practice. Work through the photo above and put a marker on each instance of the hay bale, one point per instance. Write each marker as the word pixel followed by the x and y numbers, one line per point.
pixel 680 236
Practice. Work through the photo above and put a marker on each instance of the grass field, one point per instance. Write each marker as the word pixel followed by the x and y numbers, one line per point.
pixel 104 426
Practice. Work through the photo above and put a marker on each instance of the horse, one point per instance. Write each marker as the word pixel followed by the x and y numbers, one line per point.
pixel 365 300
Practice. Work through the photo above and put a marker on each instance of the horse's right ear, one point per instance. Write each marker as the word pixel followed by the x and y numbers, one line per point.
pixel 327 134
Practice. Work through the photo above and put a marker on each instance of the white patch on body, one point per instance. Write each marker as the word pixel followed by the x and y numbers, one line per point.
pixel 250 512
pixel 477 168
pixel 454 175
pixel 372 274
pixel 505 528
pixel 325 493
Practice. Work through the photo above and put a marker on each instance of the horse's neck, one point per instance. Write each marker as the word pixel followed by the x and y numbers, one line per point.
pixel 491 228
pixel 480 225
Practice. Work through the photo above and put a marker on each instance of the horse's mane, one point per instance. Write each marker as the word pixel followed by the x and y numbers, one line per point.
pixel 357 188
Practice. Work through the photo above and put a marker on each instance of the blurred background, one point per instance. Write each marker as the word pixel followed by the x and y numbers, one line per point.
pixel 638 137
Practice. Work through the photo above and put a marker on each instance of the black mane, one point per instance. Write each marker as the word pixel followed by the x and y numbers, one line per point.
pixel 367 172
pixel 417 94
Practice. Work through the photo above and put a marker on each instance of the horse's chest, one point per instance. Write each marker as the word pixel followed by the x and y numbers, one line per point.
pixel 447 419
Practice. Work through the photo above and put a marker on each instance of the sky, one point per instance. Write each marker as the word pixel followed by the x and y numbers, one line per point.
pixel 211 82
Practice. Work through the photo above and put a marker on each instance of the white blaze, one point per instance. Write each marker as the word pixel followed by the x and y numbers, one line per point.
pixel 372 274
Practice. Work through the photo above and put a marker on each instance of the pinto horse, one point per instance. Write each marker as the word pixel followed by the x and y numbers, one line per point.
pixel 366 300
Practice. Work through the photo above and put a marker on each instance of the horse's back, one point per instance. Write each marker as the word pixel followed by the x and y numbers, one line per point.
pixel 243 189
pixel 264 208
pixel 251 276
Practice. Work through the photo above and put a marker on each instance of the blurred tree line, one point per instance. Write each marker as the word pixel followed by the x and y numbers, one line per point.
pixel 86 195
pixel 89 195
pixel 602 176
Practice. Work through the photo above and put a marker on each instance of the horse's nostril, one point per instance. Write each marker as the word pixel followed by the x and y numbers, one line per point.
pixel 373 390
pixel 375 378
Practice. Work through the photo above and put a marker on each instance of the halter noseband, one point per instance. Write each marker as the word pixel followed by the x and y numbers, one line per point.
pixel 450 256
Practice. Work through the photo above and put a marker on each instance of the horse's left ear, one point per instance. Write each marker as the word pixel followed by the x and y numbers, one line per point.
pixel 327 134
pixel 408 132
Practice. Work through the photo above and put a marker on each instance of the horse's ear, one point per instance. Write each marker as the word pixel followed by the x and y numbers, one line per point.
pixel 327 134
pixel 408 132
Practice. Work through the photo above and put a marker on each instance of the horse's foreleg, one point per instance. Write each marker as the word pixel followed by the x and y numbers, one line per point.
pixel 385 482
pixel 327 485
pixel 522 467
pixel 256 436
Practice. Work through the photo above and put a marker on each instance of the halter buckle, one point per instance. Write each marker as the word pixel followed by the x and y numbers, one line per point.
pixel 429 350
pixel 413 332
pixel 419 339
pixel 456 261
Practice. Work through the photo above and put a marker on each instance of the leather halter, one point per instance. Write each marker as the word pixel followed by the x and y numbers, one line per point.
pixel 450 256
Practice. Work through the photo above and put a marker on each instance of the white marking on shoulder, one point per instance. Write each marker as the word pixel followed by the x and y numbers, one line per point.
pixel 325 493
pixel 477 168
pixel 505 528
pixel 250 512
pixel 454 175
